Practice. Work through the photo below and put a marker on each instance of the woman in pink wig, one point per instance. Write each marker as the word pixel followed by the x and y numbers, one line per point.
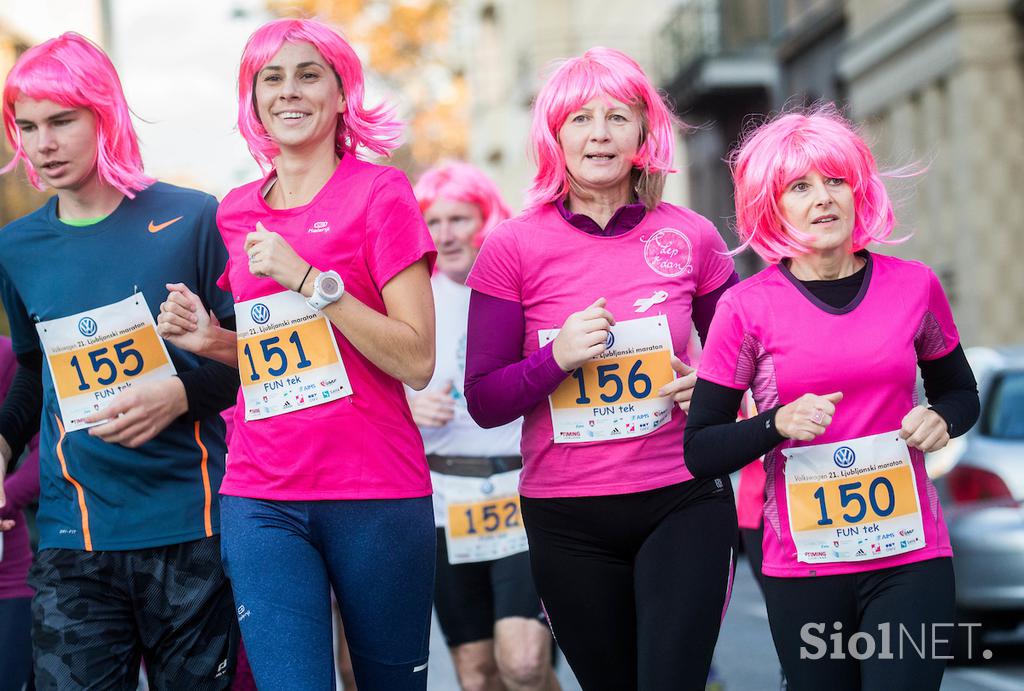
pixel 329 268
pixel 829 338
pixel 580 307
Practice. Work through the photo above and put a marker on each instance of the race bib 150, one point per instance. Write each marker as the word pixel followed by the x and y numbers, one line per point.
pixel 853 500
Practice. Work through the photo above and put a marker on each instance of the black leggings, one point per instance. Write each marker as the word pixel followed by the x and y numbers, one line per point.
pixel 904 600
pixel 635 585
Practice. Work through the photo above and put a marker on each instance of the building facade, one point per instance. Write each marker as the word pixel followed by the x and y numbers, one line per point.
pixel 937 86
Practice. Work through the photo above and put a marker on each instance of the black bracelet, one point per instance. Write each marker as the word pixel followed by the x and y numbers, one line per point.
pixel 299 290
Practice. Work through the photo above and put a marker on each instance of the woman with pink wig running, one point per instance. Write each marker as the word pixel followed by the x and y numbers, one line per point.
pixel 329 267
pixel 829 338
pixel 581 312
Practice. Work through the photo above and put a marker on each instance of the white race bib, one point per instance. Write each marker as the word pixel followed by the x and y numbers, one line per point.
pixel 288 358
pixel 95 354
pixel 853 500
pixel 484 521
pixel 615 395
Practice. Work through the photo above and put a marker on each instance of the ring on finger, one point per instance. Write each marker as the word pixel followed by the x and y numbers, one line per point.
pixel 818 416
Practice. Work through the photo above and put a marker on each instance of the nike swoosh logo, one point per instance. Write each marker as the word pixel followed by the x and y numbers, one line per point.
pixel 156 228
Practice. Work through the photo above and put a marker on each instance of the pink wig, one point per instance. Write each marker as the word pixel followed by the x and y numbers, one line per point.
pixel 376 129
pixel 600 72
pixel 788 147
pixel 73 72
pixel 462 182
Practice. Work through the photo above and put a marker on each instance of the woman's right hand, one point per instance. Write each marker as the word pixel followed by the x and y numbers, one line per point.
pixel 433 408
pixel 807 417
pixel 582 336
pixel 183 319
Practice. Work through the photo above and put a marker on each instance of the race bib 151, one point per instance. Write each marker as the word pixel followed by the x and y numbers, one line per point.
pixel 288 358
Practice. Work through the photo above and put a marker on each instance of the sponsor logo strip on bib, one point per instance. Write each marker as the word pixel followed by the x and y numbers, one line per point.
pixel 853 500
pixel 288 357
pixel 95 354
pixel 614 396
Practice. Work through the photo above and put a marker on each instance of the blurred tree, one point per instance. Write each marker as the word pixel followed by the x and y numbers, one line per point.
pixel 406 45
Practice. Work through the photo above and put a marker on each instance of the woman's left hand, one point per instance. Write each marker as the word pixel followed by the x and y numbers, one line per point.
pixel 270 255
pixel 924 429
pixel 680 389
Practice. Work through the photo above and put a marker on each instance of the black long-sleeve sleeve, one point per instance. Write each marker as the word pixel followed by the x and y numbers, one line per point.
pixel 951 390
pixel 23 404
pixel 714 443
pixel 213 386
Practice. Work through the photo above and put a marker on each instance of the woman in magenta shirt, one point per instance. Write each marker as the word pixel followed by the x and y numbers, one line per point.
pixel 829 339
pixel 329 263
pixel 579 308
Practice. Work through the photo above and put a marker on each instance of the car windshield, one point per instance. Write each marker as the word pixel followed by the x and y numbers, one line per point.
pixel 1004 417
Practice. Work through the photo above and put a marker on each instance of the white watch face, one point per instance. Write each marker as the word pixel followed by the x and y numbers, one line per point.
pixel 329 286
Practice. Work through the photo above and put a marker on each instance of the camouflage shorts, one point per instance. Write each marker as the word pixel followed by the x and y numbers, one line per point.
pixel 97 614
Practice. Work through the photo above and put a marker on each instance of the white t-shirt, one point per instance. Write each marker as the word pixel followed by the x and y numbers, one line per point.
pixel 462 436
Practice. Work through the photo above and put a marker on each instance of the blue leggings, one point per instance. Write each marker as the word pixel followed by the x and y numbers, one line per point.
pixel 283 557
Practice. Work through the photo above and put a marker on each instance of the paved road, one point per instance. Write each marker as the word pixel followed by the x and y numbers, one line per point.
pixel 746 660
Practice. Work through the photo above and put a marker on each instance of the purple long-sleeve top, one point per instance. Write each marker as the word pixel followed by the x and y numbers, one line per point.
pixel 502 386
pixel 21 488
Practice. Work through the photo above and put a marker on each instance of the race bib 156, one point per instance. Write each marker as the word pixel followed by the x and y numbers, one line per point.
pixel 615 395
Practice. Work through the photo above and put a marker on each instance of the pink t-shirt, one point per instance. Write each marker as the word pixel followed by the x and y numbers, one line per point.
pixel 366 225
pixel 750 496
pixel 553 269
pixel 772 335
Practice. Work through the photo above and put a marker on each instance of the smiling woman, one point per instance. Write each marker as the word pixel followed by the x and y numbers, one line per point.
pixel 329 268
pixel 299 99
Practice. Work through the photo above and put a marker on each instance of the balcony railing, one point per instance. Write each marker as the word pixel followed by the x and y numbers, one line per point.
pixel 701 29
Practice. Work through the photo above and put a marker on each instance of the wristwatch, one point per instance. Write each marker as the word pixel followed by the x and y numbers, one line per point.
pixel 327 289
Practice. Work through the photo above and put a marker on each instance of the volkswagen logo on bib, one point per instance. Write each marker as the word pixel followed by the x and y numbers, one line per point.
pixel 844 457
pixel 610 341
pixel 260 313
pixel 487 487
pixel 87 326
